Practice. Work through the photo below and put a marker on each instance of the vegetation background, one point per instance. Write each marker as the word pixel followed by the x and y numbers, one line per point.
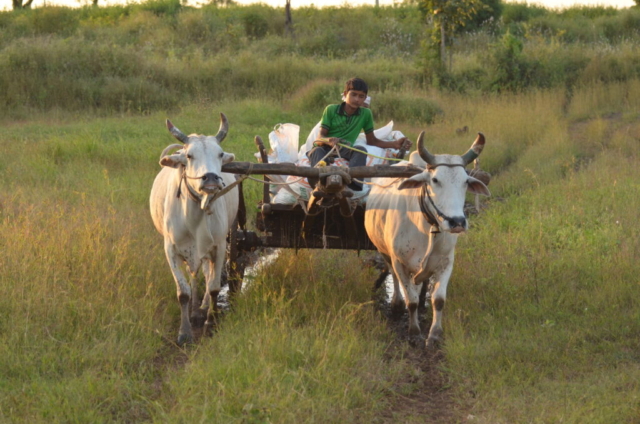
pixel 542 320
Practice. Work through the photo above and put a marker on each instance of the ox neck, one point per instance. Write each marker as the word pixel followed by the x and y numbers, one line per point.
pixel 191 193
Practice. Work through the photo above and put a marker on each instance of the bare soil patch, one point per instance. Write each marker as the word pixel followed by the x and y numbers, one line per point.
pixel 432 396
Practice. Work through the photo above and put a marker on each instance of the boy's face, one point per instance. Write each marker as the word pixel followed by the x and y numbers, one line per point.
pixel 355 98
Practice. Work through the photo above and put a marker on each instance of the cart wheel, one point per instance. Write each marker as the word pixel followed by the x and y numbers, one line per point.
pixel 235 266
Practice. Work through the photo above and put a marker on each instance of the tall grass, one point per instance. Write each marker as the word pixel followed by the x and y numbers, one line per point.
pixel 542 318
pixel 89 308
pixel 304 341
pixel 160 54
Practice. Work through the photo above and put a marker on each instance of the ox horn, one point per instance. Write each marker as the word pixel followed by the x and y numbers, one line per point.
pixel 475 150
pixel 224 128
pixel 177 133
pixel 424 153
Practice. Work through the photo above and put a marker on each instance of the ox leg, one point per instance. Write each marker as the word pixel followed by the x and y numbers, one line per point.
pixel 397 303
pixel 438 298
pixel 198 312
pixel 213 285
pixel 185 335
pixel 411 292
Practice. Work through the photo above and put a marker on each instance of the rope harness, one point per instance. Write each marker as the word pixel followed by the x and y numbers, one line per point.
pixel 439 216
pixel 193 195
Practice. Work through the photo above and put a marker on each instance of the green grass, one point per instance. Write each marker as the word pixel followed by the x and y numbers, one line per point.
pixel 541 322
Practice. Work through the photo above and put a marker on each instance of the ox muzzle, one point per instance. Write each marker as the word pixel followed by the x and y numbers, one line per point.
pixel 211 183
pixel 457 224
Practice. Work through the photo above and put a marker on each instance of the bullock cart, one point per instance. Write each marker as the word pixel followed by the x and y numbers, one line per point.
pixel 330 219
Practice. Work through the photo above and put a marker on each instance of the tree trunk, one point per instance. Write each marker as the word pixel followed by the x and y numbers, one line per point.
pixel 288 22
pixel 443 53
pixel 17 4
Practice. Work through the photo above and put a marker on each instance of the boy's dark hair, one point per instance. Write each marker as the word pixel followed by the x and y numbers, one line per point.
pixel 356 84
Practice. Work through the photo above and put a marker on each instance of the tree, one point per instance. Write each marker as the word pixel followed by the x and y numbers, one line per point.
pixel 448 16
pixel 18 4
pixel 288 22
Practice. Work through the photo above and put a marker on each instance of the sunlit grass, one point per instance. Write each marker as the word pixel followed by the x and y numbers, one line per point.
pixel 541 318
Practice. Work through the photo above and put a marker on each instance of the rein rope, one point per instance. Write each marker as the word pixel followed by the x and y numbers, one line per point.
pixel 193 195
pixel 346 146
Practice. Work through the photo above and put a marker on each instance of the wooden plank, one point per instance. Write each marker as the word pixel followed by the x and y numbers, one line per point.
pixel 283 228
pixel 303 171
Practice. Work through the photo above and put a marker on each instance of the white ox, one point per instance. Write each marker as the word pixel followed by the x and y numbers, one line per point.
pixel 193 223
pixel 415 226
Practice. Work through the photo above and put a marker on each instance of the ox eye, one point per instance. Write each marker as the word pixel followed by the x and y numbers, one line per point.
pixel 189 157
pixel 221 155
pixel 435 180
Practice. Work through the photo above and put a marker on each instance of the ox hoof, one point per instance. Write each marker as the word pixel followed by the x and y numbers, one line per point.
pixel 397 309
pixel 185 339
pixel 433 343
pixel 198 318
pixel 416 340
pixel 209 328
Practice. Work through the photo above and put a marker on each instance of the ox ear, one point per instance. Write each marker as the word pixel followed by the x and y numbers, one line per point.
pixel 416 181
pixel 173 161
pixel 228 157
pixel 477 187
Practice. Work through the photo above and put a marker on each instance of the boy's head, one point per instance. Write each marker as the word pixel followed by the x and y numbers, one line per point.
pixel 356 84
pixel 355 93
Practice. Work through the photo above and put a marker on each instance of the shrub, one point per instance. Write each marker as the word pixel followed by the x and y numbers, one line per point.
pixel 161 7
pixel 255 25
pixel 316 95
pixel 521 12
pixel 405 107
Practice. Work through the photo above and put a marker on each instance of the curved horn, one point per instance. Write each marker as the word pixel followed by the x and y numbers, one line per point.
pixel 475 150
pixel 177 133
pixel 424 153
pixel 169 148
pixel 224 128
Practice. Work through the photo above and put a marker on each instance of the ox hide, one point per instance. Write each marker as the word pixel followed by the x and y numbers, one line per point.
pixel 193 223
pixel 415 223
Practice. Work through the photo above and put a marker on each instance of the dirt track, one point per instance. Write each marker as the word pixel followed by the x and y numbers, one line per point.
pixel 432 399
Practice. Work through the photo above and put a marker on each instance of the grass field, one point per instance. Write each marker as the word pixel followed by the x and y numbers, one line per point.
pixel 542 321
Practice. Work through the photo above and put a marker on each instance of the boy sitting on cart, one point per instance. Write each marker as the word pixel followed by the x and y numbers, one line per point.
pixel 340 126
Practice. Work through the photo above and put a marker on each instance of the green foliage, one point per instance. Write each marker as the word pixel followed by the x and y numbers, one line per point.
pixel 511 67
pixel 166 54
pixel 487 16
pixel 255 25
pixel 316 95
pixel 522 12
pixel 161 7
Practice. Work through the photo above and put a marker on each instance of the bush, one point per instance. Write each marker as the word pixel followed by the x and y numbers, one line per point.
pixel 162 7
pixel 255 25
pixel 521 12
pixel 316 95
pixel 405 107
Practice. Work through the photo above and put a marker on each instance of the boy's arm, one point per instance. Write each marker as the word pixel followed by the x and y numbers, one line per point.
pixel 400 143
pixel 324 140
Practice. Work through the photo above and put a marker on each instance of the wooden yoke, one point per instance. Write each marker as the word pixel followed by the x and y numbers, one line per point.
pixel 359 172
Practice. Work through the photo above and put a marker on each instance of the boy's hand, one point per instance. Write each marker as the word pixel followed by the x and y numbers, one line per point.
pixel 328 141
pixel 403 143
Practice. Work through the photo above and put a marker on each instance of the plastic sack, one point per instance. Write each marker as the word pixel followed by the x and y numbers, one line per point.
pixel 308 145
pixel 284 143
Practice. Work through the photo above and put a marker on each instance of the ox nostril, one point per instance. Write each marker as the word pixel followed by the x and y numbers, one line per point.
pixel 458 221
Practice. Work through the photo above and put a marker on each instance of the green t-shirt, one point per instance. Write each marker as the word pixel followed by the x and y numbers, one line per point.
pixel 338 124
